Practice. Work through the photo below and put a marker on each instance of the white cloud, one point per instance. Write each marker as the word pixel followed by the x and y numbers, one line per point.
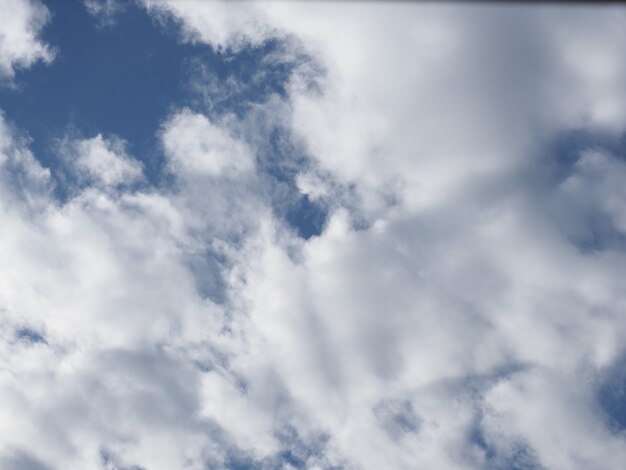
pixel 194 145
pixel 104 280
pixel 20 45
pixel 101 161
pixel 464 286
pixel 221 23
pixel 460 108
pixel 23 179
pixel 461 323
pixel 553 415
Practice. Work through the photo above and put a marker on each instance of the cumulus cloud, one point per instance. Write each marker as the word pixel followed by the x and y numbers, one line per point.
pixel 106 286
pixel 224 24
pixel 460 289
pixel 100 162
pixel 20 27
pixel 462 307
pixel 196 146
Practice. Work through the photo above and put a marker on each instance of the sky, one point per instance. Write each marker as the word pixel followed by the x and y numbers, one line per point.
pixel 312 235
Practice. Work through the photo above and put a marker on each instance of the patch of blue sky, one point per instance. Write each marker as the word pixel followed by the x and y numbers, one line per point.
pixel 117 80
pixel 295 452
pixel 566 147
pixel 519 457
pixel 124 78
pixel 246 77
pixel 611 397
pixel 591 230
pixel 516 456
pixel 306 216
pixel 281 161
pixel 120 79
pixel 599 233
pixel 28 335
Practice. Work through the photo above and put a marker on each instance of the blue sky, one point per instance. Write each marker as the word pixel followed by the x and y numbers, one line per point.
pixel 120 79
pixel 312 235
pixel 125 77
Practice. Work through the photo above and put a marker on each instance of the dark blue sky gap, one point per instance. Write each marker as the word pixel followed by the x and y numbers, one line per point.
pixel 561 155
pixel 565 149
pixel 122 79
pixel 125 79
pixel 117 80
pixel 612 396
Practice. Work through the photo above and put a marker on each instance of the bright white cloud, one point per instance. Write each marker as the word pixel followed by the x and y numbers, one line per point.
pixel 101 162
pixel 221 23
pixel 462 100
pixel 194 146
pixel 444 110
pixel 461 308
pixel 104 280
pixel 20 45
pixel 22 176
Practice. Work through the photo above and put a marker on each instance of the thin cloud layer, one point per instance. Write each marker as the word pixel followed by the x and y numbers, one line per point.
pixel 461 306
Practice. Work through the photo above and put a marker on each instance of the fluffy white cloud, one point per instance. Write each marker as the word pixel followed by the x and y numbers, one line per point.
pixel 478 86
pixel 195 146
pixel 462 290
pixel 462 308
pixel 102 318
pixel 433 316
pixel 223 24
pixel 99 161
pixel 20 45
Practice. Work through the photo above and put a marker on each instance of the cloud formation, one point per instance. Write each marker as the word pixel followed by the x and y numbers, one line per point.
pixel 462 306
pixel 98 161
pixel 20 27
